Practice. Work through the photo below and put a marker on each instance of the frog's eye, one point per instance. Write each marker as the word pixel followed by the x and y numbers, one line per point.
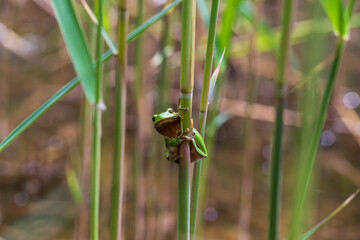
pixel 153 118
pixel 170 110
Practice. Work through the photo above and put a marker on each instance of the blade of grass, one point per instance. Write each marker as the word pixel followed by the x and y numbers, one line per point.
pixel 77 46
pixel 311 75
pixel 73 83
pixel 329 217
pixel 214 76
pixel 276 153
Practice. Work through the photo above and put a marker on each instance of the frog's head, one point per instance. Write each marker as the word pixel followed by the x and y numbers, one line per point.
pixel 167 123
pixel 164 116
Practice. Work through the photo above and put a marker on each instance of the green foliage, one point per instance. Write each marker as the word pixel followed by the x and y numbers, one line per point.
pixel 329 217
pixel 77 46
pixel 335 11
pixel 73 83
pixel 339 15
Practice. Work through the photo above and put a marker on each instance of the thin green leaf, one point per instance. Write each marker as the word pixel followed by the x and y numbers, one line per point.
pixel 347 17
pixel 328 218
pixel 215 75
pixel 227 22
pixel 152 20
pixel 38 112
pixel 335 11
pixel 73 83
pixel 203 9
pixel 77 46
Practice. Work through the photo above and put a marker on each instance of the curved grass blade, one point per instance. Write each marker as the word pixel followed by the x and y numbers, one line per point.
pixel 214 76
pixel 77 46
pixel 328 218
pixel 73 83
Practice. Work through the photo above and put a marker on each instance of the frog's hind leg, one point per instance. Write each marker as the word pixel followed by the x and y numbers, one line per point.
pixel 184 137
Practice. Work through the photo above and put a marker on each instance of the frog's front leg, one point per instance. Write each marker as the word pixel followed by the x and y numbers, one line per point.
pixel 181 108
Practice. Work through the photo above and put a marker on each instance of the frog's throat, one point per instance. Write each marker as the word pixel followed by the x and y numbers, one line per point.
pixel 169 127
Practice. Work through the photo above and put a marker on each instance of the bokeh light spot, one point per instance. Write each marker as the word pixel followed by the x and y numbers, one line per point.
pixel 351 100
pixel 210 214
pixel 328 138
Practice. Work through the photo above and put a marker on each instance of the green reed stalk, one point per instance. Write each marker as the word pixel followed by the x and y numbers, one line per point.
pixel 139 221
pixel 164 76
pixel 249 141
pixel 120 112
pixel 203 111
pixel 157 169
pixel 186 88
pixel 139 52
pixel 276 156
pixel 96 142
pixel 314 141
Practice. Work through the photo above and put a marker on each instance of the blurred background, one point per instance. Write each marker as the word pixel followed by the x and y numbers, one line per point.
pixel 44 174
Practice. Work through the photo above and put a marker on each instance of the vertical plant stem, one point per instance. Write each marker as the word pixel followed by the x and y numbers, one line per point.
pixel 276 156
pixel 120 111
pixel 139 51
pixel 186 88
pixel 139 221
pixel 158 171
pixel 82 228
pixel 314 141
pixel 96 142
pixel 276 172
pixel 203 111
pixel 246 187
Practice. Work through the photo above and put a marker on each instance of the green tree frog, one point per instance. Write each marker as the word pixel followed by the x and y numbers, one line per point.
pixel 168 124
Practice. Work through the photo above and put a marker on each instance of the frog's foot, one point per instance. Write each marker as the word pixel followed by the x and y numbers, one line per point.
pixel 184 137
pixel 182 108
pixel 175 159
